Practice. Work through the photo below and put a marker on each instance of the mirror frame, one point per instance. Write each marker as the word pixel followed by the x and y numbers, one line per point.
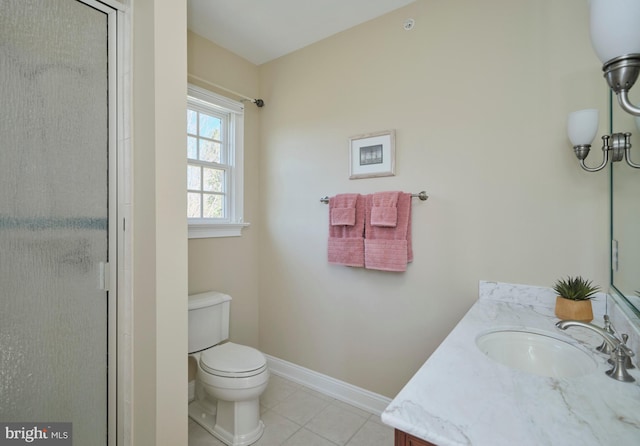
pixel 616 293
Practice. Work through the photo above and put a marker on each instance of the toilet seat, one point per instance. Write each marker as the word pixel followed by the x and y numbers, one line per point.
pixel 233 361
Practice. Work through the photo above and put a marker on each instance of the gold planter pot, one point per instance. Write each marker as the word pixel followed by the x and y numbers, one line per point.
pixel 579 310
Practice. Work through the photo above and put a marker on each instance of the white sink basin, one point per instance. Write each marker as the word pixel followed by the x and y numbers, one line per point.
pixel 537 353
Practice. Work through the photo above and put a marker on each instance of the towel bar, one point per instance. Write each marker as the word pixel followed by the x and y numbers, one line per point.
pixel 422 195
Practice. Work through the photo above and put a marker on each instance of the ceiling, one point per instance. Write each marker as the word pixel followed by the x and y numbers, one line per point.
pixel 263 30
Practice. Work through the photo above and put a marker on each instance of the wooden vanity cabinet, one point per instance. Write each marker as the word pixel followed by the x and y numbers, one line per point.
pixel 404 439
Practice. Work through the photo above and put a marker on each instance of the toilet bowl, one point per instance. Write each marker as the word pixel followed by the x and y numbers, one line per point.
pixel 230 377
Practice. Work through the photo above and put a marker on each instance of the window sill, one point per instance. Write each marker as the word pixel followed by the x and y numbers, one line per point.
pixel 216 230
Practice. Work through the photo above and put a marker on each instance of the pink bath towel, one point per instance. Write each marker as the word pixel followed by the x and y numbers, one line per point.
pixel 342 209
pixel 346 242
pixel 385 248
pixel 384 211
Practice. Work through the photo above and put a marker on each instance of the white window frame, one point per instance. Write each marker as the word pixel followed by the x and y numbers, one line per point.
pixel 231 226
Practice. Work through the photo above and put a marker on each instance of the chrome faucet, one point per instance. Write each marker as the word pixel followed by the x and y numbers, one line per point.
pixel 619 351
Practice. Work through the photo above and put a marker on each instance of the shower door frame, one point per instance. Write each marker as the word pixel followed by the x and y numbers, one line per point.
pixel 119 198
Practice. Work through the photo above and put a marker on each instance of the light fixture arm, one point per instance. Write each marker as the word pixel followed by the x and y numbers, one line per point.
pixel 623 100
pixel 583 150
pixel 595 169
pixel 621 146
pixel 618 148
pixel 627 155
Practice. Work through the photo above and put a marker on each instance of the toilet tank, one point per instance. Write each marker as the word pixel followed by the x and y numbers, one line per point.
pixel 208 319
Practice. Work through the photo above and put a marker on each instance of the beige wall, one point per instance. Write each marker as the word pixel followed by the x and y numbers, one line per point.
pixel 230 264
pixel 159 340
pixel 478 93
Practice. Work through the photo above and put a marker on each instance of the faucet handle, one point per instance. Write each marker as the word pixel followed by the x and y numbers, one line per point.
pixel 628 363
pixel 623 346
pixel 626 351
pixel 619 360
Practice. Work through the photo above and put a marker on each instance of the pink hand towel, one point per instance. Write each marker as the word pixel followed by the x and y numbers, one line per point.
pixel 385 248
pixel 346 243
pixel 384 211
pixel 342 209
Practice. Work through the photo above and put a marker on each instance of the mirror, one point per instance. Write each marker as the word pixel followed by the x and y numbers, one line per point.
pixel 625 210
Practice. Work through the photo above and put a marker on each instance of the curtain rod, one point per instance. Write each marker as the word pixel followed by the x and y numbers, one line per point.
pixel 258 102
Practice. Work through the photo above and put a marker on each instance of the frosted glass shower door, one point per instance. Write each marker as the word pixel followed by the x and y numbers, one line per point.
pixel 54 151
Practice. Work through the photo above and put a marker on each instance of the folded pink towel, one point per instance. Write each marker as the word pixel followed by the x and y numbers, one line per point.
pixel 386 248
pixel 346 251
pixel 342 209
pixel 384 211
pixel 385 255
pixel 346 242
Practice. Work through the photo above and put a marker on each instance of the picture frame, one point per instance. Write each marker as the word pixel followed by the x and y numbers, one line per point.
pixel 372 155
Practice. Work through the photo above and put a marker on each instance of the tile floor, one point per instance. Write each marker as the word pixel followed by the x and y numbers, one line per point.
pixel 295 415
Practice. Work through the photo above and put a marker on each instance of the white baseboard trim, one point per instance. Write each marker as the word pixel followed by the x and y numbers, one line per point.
pixel 340 390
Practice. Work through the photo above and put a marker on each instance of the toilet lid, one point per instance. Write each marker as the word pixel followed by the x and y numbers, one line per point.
pixel 231 359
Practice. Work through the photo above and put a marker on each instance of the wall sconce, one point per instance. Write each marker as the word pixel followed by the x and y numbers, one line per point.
pixel 582 127
pixel 615 36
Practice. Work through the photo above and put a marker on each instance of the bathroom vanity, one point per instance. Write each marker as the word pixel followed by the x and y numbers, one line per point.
pixel 404 439
pixel 462 396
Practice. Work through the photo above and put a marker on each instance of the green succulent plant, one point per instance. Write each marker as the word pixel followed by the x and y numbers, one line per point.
pixel 575 288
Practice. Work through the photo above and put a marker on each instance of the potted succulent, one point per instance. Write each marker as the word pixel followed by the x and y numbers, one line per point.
pixel 574 298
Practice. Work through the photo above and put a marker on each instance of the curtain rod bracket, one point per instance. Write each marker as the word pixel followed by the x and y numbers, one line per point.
pixel 259 102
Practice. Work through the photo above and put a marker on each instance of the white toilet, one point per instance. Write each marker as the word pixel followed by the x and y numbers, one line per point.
pixel 230 377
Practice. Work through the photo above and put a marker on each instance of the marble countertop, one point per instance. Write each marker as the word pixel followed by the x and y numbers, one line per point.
pixel 462 397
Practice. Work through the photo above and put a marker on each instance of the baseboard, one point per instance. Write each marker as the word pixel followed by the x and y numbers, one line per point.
pixel 340 390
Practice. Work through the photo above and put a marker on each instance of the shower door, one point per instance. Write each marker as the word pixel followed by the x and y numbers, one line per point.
pixel 54 209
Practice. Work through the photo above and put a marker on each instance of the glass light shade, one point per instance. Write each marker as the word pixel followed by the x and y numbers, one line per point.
pixel 615 28
pixel 582 126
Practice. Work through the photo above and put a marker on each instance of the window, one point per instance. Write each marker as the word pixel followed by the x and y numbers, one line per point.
pixel 214 164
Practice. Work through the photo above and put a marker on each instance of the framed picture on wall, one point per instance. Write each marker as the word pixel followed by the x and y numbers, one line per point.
pixel 372 155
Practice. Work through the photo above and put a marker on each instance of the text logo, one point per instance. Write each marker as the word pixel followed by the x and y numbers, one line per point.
pixel 38 434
